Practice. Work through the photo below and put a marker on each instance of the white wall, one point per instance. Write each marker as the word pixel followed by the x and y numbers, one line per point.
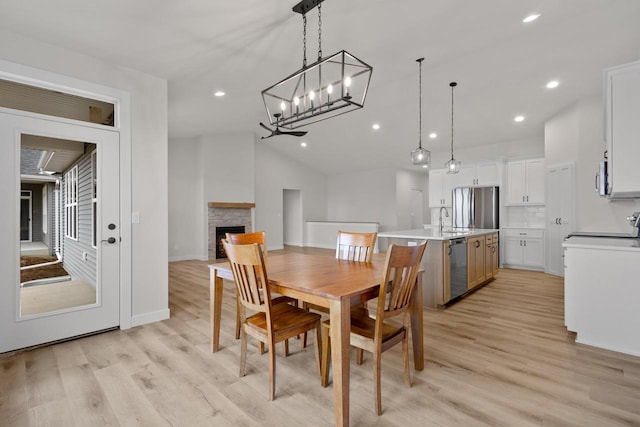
pixel 561 137
pixel 533 147
pixel 148 186
pixel 576 134
pixel 234 168
pixel 406 182
pixel 363 196
pixel 185 200
pixel 275 172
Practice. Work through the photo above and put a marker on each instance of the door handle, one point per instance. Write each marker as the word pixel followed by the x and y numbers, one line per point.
pixel 477 244
pixel 110 240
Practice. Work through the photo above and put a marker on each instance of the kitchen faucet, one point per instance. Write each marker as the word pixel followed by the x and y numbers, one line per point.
pixel 446 212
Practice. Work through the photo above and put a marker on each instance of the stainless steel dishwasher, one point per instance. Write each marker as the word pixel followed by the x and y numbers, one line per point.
pixel 458 266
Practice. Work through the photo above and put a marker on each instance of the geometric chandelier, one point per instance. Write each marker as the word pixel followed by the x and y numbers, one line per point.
pixel 331 86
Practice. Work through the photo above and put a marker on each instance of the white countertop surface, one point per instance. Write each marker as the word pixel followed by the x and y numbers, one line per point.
pixel 435 234
pixel 602 243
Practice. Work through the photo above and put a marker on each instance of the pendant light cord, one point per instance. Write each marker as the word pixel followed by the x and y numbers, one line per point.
pixel 304 40
pixel 319 31
pixel 452 84
pixel 419 61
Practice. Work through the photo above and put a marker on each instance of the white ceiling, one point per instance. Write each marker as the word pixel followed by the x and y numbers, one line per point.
pixel 501 64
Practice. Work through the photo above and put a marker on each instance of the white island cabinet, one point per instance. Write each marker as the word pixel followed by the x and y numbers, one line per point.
pixel 602 292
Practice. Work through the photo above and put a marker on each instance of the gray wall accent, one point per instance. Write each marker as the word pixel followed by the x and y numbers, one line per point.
pixel 73 250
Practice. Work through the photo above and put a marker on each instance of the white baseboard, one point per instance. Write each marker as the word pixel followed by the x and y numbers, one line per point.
pixel 187 258
pixel 154 316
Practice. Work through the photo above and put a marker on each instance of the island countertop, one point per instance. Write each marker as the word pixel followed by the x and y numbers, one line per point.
pixel 436 234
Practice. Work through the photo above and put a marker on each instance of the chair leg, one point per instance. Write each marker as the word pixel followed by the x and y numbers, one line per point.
pixel 377 356
pixel 239 307
pixel 405 358
pixel 359 356
pixel 317 343
pixel 272 370
pixel 325 363
pixel 243 352
pixel 305 306
pixel 285 348
pixel 260 348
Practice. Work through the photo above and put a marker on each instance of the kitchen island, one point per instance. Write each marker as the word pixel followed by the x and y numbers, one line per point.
pixel 456 261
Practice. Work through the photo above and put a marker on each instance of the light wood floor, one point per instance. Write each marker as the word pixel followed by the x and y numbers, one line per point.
pixel 56 296
pixel 500 357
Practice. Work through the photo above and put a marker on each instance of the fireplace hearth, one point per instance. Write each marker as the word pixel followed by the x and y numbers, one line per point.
pixel 221 232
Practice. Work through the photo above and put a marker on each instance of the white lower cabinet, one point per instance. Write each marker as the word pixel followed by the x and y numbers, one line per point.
pixel 524 248
pixel 602 293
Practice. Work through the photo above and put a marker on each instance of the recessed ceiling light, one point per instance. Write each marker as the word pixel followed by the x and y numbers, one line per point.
pixel 433 135
pixel 218 93
pixel 518 118
pixel 375 126
pixel 303 144
pixel 532 17
pixel 552 84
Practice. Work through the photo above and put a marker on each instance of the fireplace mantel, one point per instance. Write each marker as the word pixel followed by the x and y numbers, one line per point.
pixel 224 205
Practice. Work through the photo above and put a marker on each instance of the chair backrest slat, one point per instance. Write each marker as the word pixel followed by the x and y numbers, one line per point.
pixel 250 275
pixel 398 279
pixel 355 246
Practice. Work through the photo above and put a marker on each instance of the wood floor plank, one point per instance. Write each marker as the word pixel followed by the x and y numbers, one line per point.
pixel 499 357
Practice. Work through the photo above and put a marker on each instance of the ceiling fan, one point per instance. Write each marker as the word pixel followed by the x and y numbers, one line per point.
pixel 277 131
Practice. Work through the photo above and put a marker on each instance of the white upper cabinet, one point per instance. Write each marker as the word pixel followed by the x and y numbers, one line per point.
pixel 478 174
pixel 622 130
pixel 525 182
pixel 440 185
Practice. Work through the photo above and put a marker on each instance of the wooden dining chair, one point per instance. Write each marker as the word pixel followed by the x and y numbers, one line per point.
pixel 271 323
pixel 375 334
pixel 355 246
pixel 259 237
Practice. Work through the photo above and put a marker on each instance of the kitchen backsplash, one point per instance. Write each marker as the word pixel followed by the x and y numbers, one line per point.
pixel 524 216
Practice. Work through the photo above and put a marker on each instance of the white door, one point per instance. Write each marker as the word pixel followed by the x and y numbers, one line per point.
pixel 17 329
pixel 559 213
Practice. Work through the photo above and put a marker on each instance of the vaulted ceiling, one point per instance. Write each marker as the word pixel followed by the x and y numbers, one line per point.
pixel 241 47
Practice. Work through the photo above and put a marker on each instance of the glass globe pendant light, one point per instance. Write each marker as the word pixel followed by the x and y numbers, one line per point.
pixel 453 165
pixel 420 156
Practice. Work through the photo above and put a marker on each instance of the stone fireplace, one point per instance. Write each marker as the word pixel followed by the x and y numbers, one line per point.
pixel 222 214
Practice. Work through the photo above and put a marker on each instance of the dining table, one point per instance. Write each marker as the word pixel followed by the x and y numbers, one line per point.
pixel 335 284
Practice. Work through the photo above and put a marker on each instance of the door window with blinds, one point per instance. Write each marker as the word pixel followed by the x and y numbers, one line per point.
pixel 71 203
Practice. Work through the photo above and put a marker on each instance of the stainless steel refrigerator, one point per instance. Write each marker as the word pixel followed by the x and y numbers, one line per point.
pixel 476 207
